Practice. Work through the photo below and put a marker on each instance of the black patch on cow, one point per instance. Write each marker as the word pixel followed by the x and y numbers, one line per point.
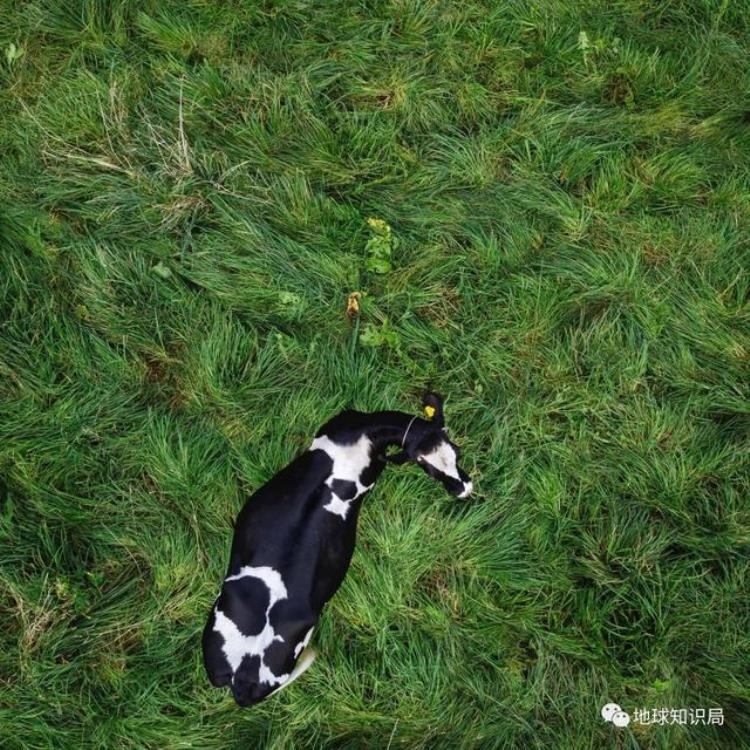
pixel 344 489
pixel 429 441
pixel 279 658
pixel 245 602
pixel 370 473
pixel 289 618
pixel 325 495
pixel 249 669
pixel 245 687
pixel 217 666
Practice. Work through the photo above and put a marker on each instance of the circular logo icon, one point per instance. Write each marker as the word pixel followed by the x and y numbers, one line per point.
pixel 609 710
pixel 621 719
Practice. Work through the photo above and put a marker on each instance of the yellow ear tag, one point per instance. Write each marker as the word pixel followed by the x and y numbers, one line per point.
pixel 429 412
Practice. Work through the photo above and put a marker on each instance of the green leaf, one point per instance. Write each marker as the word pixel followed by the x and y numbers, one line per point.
pixel 161 270
pixel 383 336
pixel 289 298
pixel 380 247
pixel 371 336
pixel 13 53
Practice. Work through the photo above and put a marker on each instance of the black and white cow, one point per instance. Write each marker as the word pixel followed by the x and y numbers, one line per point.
pixel 294 539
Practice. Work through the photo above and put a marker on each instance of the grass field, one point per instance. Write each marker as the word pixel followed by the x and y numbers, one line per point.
pixel 560 192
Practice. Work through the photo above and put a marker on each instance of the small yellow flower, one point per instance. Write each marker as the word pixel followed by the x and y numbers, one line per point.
pixel 429 412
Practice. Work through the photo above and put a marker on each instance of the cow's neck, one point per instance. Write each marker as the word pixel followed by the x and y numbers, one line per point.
pixel 389 428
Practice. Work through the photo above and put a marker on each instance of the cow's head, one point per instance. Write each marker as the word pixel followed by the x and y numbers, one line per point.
pixel 426 442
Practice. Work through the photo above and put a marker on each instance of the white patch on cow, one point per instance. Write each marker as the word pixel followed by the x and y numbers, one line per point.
pixel 236 645
pixel 443 458
pixel 468 488
pixel 349 461
pixel 337 506
pixel 303 643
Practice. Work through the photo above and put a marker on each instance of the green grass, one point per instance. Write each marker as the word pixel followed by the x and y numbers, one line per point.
pixel 184 195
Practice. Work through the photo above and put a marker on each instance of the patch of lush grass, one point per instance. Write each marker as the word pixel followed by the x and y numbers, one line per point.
pixel 184 195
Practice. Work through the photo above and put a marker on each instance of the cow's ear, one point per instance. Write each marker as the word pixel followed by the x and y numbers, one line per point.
pixel 432 404
pixel 398 458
